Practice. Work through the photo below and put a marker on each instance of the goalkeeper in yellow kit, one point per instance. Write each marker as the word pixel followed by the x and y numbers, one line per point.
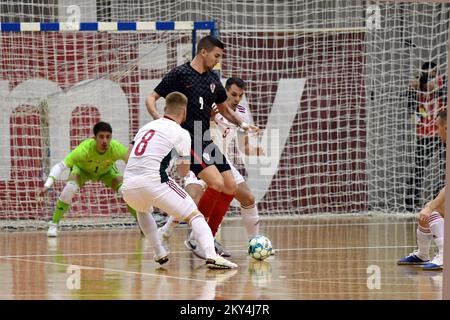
pixel 92 160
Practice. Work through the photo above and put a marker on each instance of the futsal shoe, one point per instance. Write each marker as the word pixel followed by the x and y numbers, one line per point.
pixel 52 230
pixel 161 259
pixel 220 249
pixel 412 259
pixel 436 264
pixel 219 262
pixel 195 248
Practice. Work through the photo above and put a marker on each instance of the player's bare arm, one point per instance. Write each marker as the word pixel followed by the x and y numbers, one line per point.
pixel 150 103
pixel 231 116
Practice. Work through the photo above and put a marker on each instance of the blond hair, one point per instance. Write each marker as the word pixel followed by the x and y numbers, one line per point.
pixel 176 102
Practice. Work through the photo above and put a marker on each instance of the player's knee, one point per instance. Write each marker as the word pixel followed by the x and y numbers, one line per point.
pixel 230 188
pixel 195 191
pixel 217 184
pixel 68 192
pixel 248 200
pixel 423 224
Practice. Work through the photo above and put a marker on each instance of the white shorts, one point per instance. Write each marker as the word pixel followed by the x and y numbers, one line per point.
pixel 237 176
pixel 168 196
pixel 192 179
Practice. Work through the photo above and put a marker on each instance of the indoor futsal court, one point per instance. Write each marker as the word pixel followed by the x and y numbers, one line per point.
pixel 331 115
pixel 316 258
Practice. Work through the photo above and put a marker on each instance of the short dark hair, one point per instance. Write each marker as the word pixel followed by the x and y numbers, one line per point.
pixel 429 65
pixel 209 43
pixel 235 80
pixel 442 114
pixel 102 126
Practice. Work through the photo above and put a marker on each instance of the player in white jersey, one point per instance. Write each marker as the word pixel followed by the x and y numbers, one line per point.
pixel 147 185
pixel 222 133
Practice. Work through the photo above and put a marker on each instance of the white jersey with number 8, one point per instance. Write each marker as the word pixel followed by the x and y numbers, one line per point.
pixel 153 150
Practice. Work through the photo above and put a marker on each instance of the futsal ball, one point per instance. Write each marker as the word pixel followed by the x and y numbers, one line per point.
pixel 259 247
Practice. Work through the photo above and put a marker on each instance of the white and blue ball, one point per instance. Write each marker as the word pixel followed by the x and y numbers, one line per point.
pixel 259 247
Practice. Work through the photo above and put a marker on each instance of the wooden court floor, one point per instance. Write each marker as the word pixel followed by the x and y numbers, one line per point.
pixel 316 258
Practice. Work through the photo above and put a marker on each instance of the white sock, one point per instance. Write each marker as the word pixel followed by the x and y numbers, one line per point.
pixel 168 227
pixel 424 243
pixel 250 218
pixel 203 235
pixel 436 223
pixel 150 229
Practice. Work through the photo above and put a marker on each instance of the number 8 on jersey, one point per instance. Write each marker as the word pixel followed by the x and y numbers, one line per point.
pixel 142 145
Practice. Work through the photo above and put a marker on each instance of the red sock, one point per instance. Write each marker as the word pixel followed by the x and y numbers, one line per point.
pixel 220 210
pixel 208 202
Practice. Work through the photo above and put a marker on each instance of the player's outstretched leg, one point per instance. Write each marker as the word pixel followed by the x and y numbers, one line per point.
pixel 250 218
pixel 62 206
pixel 148 226
pixel 436 223
pixel 204 237
pixel 249 210
pixel 225 182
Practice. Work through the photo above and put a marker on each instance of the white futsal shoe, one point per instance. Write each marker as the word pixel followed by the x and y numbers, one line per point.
pixel 436 264
pixel 219 262
pixel 192 245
